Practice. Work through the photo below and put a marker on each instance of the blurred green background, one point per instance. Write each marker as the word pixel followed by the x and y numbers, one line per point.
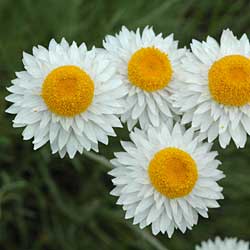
pixel 49 204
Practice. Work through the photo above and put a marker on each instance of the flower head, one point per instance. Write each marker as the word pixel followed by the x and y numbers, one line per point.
pixel 147 64
pixel 214 88
pixel 67 96
pixel 165 178
pixel 226 244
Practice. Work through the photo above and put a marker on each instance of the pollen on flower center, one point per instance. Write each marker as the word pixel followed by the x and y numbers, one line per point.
pixel 149 69
pixel 229 80
pixel 173 172
pixel 68 90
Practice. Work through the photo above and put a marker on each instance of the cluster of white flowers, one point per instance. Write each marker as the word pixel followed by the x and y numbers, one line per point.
pixel 167 175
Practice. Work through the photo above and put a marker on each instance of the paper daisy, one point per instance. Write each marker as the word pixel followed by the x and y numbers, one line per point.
pixel 147 65
pixel 214 91
pixel 166 177
pixel 227 244
pixel 67 96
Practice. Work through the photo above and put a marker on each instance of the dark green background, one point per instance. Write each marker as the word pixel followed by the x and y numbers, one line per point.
pixel 49 204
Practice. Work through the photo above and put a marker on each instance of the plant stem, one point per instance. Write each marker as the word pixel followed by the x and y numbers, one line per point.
pixel 149 238
pixel 98 158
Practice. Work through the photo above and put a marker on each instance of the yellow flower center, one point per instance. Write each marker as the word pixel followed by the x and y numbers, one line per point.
pixel 149 69
pixel 68 91
pixel 229 80
pixel 173 172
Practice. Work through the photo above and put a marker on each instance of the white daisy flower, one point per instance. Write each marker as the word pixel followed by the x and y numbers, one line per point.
pixel 147 65
pixel 66 96
pixel 214 88
pixel 166 178
pixel 226 244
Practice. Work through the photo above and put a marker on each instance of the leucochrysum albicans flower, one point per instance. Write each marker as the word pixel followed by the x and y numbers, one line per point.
pixel 226 244
pixel 166 178
pixel 214 88
pixel 68 96
pixel 147 64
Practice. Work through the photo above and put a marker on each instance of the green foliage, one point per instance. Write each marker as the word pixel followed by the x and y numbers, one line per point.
pixel 47 203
